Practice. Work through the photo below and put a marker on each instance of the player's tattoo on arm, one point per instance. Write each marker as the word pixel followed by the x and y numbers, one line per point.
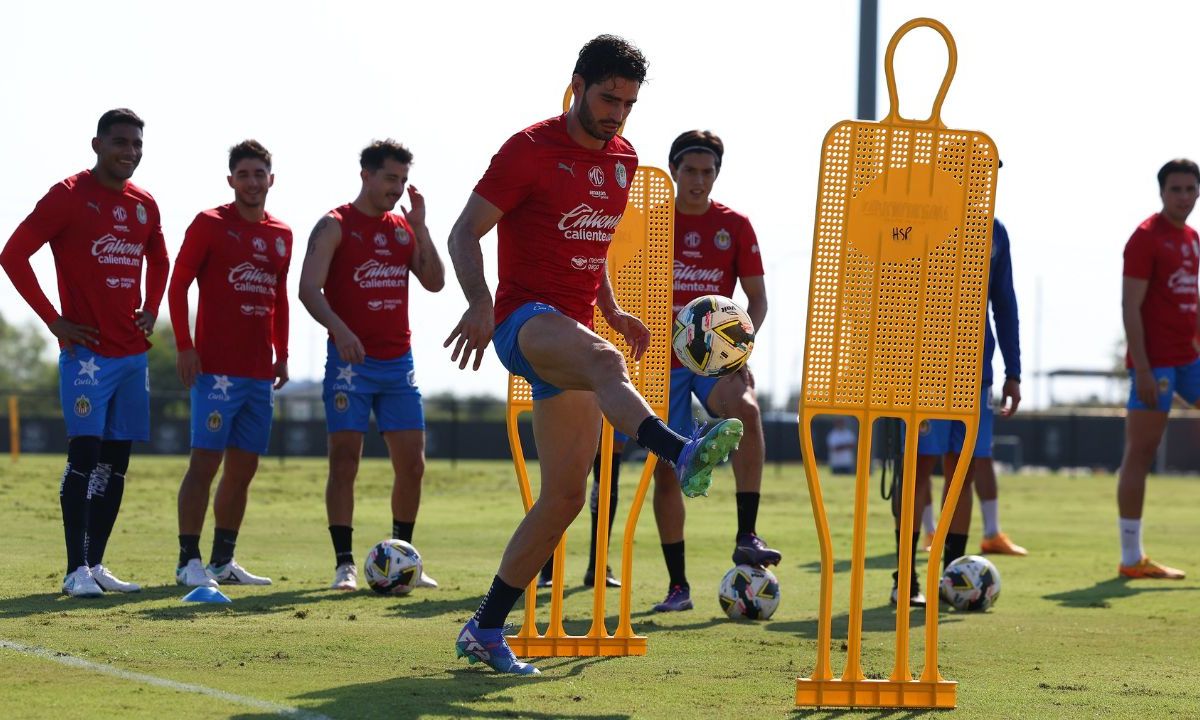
pixel 316 233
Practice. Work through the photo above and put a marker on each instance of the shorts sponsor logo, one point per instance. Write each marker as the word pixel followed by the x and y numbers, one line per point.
pixel 692 239
pixel 341 402
pixel 214 421
pixel 281 246
pixel 345 375
pixel 596 175
pixel 622 178
pixel 119 214
pixel 402 236
pixel 722 239
pixel 89 368
pixel 83 406
pixel 220 388
pixel 141 213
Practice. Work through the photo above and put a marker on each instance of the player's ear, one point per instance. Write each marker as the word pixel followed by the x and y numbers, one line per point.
pixel 271 180
pixel 674 171
pixel 96 145
pixel 229 179
pixel 578 86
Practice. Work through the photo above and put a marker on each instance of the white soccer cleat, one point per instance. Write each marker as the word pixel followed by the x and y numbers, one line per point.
pixel 111 583
pixel 425 581
pixel 346 577
pixel 194 575
pixel 234 574
pixel 81 584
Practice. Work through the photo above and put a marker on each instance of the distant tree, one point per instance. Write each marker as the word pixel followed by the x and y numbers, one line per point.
pixel 165 388
pixel 24 364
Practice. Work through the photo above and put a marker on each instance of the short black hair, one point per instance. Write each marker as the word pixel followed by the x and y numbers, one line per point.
pixel 118 116
pixel 248 150
pixel 377 152
pixel 609 56
pixel 696 141
pixel 1178 165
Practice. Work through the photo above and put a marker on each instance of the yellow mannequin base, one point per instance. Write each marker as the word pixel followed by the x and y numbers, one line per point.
pixel 576 646
pixel 875 693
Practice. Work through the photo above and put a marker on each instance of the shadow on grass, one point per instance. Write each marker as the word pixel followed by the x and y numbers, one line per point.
pixel 1102 593
pixel 886 561
pixel 877 619
pixel 461 692
pixel 866 713
pixel 281 600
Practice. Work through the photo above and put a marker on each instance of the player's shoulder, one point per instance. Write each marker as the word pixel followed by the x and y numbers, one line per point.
pixel 1149 226
pixel 140 194
pixel 275 223
pixel 338 214
pixel 724 211
pixel 619 145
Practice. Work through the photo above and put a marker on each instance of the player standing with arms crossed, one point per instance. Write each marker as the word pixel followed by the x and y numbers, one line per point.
pixel 238 254
pixel 557 191
pixel 100 228
pixel 1159 306
pixel 355 283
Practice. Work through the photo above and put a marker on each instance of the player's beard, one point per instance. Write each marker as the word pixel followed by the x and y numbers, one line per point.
pixel 589 123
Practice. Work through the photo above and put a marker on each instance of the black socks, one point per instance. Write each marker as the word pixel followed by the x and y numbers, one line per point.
pixel 673 554
pixel 343 543
pixel 403 530
pixel 654 435
pixel 747 511
pixel 497 604
pixel 106 487
pixel 222 547
pixel 956 547
pixel 189 548
pixel 83 454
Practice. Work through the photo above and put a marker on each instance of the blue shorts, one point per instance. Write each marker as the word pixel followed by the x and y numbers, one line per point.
pixel 108 398
pixel 230 411
pixel 1183 380
pixel 684 384
pixel 939 437
pixel 387 387
pixel 509 350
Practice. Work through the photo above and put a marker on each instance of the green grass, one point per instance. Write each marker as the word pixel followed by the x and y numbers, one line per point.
pixel 1067 639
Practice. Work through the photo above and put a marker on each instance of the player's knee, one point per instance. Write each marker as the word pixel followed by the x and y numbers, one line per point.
pixel 745 408
pixel 608 362
pixel 412 469
pixel 203 464
pixel 343 462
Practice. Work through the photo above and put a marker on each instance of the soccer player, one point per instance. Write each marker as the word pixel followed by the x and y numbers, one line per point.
pixel 355 283
pixel 715 248
pixel 558 190
pixel 944 438
pixel 1158 300
pixel 238 254
pixel 101 228
pixel 843 444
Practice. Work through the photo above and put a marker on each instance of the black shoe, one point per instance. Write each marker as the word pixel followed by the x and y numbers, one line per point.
pixel 546 577
pixel 915 597
pixel 751 550
pixel 589 578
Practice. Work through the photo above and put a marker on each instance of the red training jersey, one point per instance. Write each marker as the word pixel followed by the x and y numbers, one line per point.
pixel 561 204
pixel 241 268
pixel 99 238
pixel 712 251
pixel 367 284
pixel 1166 257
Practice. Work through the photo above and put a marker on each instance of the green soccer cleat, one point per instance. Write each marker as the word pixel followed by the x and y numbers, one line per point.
pixel 703 452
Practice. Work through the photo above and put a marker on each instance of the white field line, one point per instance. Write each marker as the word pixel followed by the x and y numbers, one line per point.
pixel 72 661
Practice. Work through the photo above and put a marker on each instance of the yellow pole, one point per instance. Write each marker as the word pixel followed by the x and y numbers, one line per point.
pixel 14 427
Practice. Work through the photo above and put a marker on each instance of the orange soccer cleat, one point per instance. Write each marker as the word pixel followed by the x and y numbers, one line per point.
pixel 999 544
pixel 1149 569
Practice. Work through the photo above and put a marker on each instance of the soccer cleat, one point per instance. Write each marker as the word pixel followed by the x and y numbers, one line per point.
pixel 999 544
pixel 476 644
pixel 916 598
pixel 679 597
pixel 194 575
pixel 751 550
pixel 425 581
pixel 703 452
pixel 1148 569
pixel 80 583
pixel 345 577
pixel 610 580
pixel 233 574
pixel 111 583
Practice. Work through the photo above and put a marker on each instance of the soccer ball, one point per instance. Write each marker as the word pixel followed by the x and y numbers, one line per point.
pixel 971 582
pixel 713 336
pixel 393 567
pixel 749 592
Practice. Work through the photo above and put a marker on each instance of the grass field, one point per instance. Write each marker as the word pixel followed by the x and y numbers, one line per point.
pixel 1066 640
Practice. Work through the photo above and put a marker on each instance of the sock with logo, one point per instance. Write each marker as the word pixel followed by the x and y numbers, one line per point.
pixel 403 530
pixel 224 542
pixel 106 487
pixel 343 544
pixel 497 604
pixel 1131 541
pixel 189 549
pixel 83 453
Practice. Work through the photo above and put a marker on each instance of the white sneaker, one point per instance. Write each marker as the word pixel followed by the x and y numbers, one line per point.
pixel 194 575
pixel 81 584
pixel 111 583
pixel 234 574
pixel 426 582
pixel 346 577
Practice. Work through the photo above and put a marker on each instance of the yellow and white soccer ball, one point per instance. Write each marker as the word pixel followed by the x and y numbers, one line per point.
pixel 713 336
pixel 393 567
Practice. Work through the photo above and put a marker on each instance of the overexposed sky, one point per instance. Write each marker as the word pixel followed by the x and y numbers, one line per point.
pixel 1085 101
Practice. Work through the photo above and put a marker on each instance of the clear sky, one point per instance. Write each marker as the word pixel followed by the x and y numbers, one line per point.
pixel 1085 100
